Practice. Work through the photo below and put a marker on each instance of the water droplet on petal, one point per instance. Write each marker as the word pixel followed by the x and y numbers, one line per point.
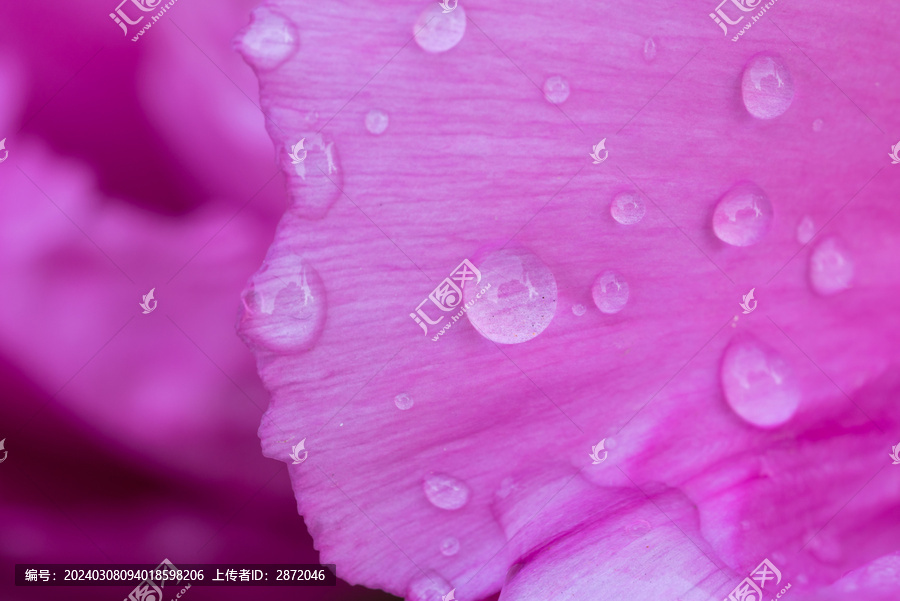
pixel 627 208
pixel 445 492
pixel 806 229
pixel 376 122
pixel 520 301
pixel 315 182
pixel 579 310
pixel 449 546
pixel 743 216
pixel 436 31
pixel 610 292
pixel 556 89
pixel 830 267
pixel 649 49
pixel 283 305
pixel 403 401
pixel 429 587
pixel 825 548
pixel 767 87
pixel 269 40
pixel 817 125
pixel 638 528
pixel 758 384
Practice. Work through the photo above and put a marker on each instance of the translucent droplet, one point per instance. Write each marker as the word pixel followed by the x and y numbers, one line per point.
pixel 806 229
pixel 445 492
pixel 638 528
pixel 758 384
pixel 825 548
pixel 429 587
pixel 376 122
pixel 449 546
pixel 767 87
pixel 437 31
pixel 269 40
pixel 579 310
pixel 610 292
pixel 517 296
pixel 830 267
pixel 283 305
pixel 315 181
pixel 649 49
pixel 403 401
pixel 817 125
pixel 556 89
pixel 627 208
pixel 743 216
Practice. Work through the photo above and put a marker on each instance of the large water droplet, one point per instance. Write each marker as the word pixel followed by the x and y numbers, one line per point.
pixel 638 528
pixel 627 208
pixel 830 267
pixel 758 384
pixel 520 297
pixel 283 305
pixel 579 310
pixel 767 87
pixel 743 216
pixel 449 546
pixel 429 587
pixel 269 40
pixel 556 89
pixel 436 31
pixel 445 492
pixel 315 182
pixel 806 229
pixel 649 49
pixel 403 401
pixel 376 122
pixel 610 292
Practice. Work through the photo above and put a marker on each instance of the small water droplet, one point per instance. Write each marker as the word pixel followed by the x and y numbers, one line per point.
pixel 806 229
pixel 556 89
pixel 520 301
pixel 767 87
pixel 403 401
pixel 283 305
pixel 638 528
pixel 579 310
pixel 445 492
pixel 817 125
pixel 269 40
pixel 830 267
pixel 610 292
pixel 649 49
pixel 429 587
pixel 758 384
pixel 743 215
pixel 825 548
pixel 627 208
pixel 436 31
pixel 315 182
pixel 449 546
pixel 376 122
